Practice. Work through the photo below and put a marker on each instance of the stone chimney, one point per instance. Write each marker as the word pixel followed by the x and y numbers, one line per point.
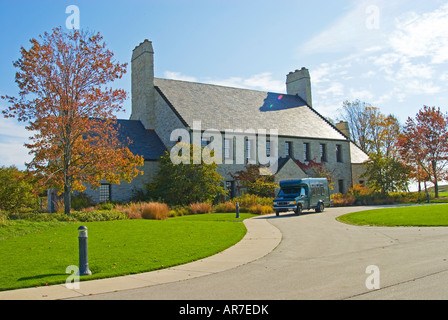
pixel 142 85
pixel 299 83
pixel 344 128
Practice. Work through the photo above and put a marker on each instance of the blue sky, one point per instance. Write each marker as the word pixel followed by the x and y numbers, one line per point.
pixel 393 54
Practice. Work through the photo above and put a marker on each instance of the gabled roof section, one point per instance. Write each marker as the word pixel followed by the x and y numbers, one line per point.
pixel 221 108
pixel 144 143
pixel 282 163
pixel 357 155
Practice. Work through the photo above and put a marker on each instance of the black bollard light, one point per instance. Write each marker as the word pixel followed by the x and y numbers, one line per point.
pixel 83 260
pixel 237 210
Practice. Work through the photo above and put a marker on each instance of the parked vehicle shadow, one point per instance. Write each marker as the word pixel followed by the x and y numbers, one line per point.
pixel 287 215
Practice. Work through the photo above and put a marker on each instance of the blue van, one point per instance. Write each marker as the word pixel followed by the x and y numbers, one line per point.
pixel 302 194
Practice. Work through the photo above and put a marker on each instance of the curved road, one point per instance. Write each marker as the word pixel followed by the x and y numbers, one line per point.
pixel 320 258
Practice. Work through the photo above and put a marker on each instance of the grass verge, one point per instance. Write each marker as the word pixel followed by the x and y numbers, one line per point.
pixel 418 216
pixel 37 254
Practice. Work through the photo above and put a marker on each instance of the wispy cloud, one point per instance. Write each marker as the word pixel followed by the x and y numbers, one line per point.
pixel 12 139
pixel 404 57
pixel 263 81
pixel 422 35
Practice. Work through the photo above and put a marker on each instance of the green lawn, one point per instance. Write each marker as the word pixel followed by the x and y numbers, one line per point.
pixel 424 216
pixel 36 254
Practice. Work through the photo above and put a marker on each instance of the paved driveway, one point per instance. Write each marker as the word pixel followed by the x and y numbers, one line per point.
pixel 320 258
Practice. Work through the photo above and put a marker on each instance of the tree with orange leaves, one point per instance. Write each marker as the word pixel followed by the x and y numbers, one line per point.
pixel 424 143
pixel 64 99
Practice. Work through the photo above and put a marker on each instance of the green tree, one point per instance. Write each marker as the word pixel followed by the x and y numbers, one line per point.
pixel 255 183
pixel 16 190
pixel 186 182
pixel 386 174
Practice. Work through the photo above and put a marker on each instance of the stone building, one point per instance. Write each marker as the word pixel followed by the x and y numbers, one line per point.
pixel 159 106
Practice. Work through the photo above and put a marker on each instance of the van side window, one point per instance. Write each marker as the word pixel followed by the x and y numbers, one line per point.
pixel 322 192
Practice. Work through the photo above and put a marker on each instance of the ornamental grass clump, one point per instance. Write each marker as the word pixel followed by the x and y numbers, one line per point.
pixel 155 211
pixel 200 207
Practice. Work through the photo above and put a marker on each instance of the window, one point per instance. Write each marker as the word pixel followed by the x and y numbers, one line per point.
pixel 104 192
pixel 228 149
pixel 306 152
pixel 204 142
pixel 339 153
pixel 230 187
pixel 341 186
pixel 323 152
pixel 268 148
pixel 250 152
pixel 288 148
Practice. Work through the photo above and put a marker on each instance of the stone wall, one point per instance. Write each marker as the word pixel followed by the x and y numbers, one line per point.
pixel 124 191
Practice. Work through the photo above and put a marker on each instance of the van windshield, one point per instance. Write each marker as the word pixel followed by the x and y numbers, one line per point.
pixel 292 192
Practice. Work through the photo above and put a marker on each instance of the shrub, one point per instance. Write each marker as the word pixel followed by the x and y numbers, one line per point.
pixel 360 190
pixel 260 209
pixel 340 200
pixel 98 215
pixel 200 207
pixel 145 210
pixel 179 210
pixel 105 206
pixel 81 216
pixel 81 201
pixel 225 207
pixel 409 197
pixel 16 190
pixel 3 219
pixel 248 200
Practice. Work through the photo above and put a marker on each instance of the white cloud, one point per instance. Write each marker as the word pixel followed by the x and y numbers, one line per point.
pixel 361 28
pixel 263 81
pixel 403 61
pixel 422 35
pixel 335 89
pixel 13 152
pixel 13 136
pixel 362 94
pixel 10 127
pixel 260 81
pixel 179 76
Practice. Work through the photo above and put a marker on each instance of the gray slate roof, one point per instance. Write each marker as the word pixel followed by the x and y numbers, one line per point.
pixel 144 143
pixel 221 108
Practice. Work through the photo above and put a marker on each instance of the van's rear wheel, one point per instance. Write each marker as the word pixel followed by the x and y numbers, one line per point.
pixel 320 207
